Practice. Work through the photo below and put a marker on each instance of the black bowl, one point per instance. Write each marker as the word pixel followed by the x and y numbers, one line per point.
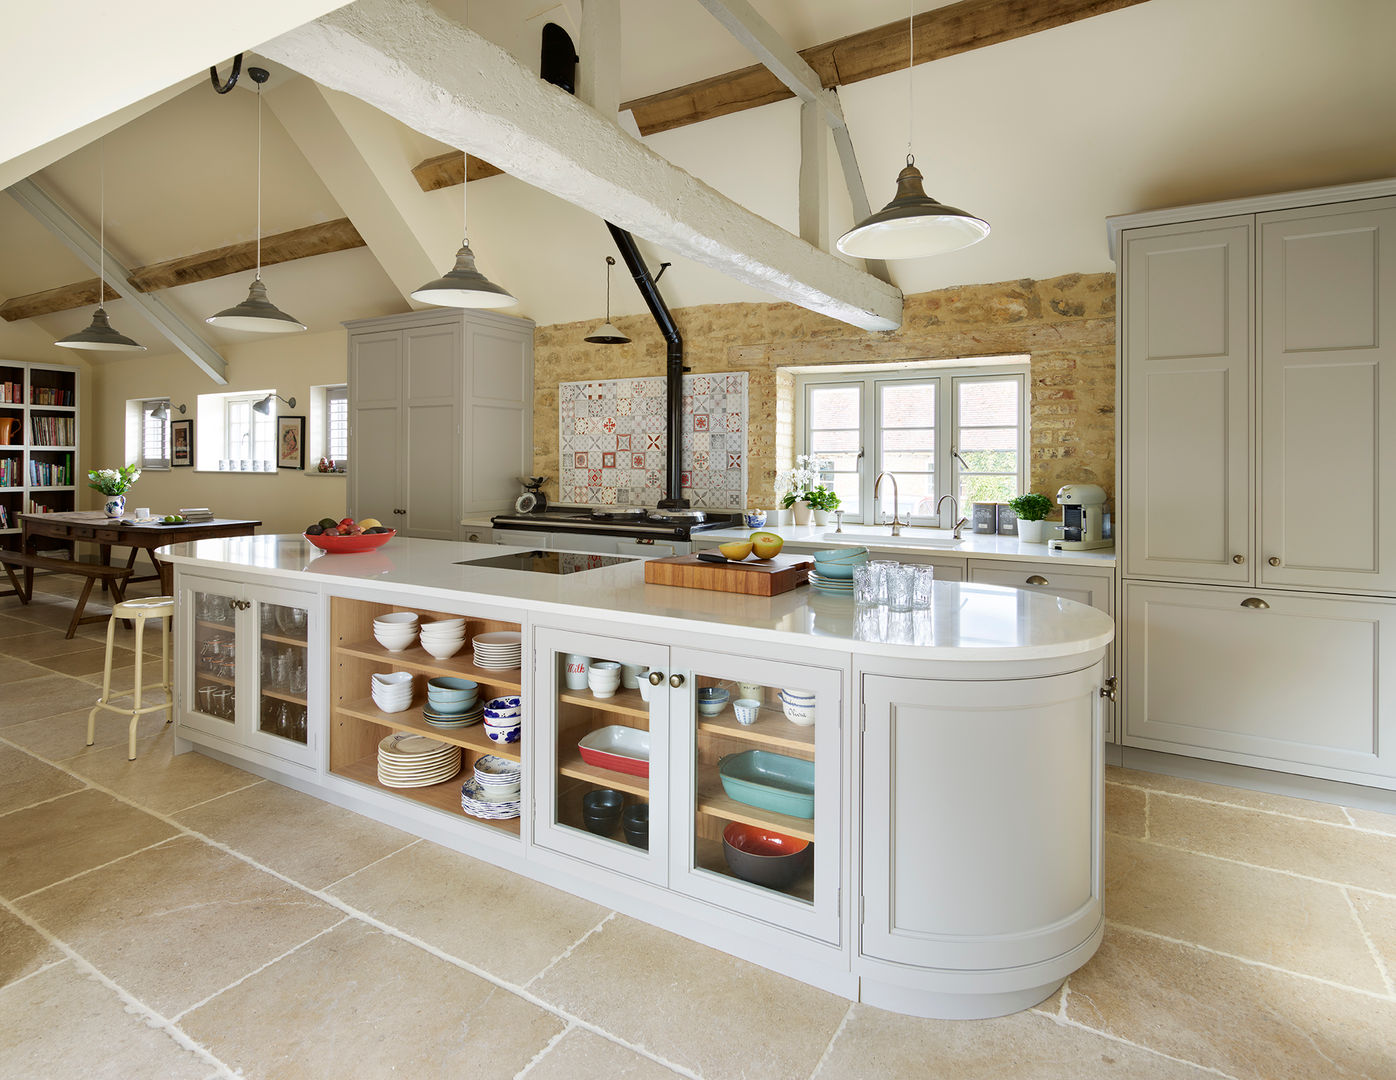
pixel 601 810
pixel 636 821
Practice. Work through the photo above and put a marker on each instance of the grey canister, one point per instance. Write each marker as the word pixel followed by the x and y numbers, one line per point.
pixel 986 518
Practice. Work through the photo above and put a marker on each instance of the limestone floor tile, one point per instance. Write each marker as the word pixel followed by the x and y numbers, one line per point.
pixel 580 1053
pixel 13 669
pixel 1234 796
pixel 312 842
pixel 63 1025
pixel 1124 810
pixel 505 924
pixel 65 735
pixel 25 780
pixel 1247 1022
pixel 10 625
pixel 1024 1046
pixel 41 644
pixel 179 922
pixel 87 661
pixel 359 1003
pixel 1299 925
pixel 697 1008
pixel 1378 917
pixel 57 612
pixel 1374 821
pixel 48 843
pixel 22 951
pixel 1333 853
pixel 33 699
pixel 157 779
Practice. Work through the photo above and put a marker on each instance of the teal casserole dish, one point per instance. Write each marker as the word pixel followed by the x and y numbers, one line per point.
pixel 769 781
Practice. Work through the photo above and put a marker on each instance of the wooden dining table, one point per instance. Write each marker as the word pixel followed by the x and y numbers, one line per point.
pixel 42 531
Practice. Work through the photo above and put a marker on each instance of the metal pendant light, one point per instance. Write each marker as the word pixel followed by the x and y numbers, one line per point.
pixel 257 314
pixel 913 224
pixel 100 336
pixel 606 334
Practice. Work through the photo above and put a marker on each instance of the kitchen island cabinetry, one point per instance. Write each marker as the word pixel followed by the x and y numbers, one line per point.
pixel 986 675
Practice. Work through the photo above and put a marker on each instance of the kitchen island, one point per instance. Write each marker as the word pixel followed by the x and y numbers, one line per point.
pixel 941 800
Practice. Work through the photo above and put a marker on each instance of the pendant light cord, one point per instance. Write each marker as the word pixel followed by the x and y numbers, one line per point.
pixel 259 182
pixel 102 220
pixel 464 157
pixel 610 262
pixel 910 63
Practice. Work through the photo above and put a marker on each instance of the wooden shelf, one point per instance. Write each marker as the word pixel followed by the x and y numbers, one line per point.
pixel 418 659
pixel 571 764
pixel 442 796
pixel 281 639
pixel 204 676
pixel 708 855
pixel 471 738
pixel 625 702
pixel 715 802
pixel 282 695
pixel 771 729
pixel 213 625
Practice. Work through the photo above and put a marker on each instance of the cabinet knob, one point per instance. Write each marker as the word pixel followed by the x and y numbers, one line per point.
pixel 676 680
pixel 474 538
pixel 1037 579
pixel 1238 559
pixel 1254 602
pixel 1111 689
pixel 1273 560
pixel 656 677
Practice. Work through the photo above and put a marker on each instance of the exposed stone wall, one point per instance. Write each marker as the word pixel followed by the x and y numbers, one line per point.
pixel 1066 324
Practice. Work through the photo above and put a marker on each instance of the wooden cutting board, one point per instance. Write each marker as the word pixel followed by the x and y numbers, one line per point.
pixel 767 577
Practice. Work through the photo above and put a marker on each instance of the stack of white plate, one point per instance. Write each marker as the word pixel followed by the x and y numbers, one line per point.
pixel 406 760
pixel 498 651
pixel 453 720
pixel 477 801
pixel 833 586
pixel 499 777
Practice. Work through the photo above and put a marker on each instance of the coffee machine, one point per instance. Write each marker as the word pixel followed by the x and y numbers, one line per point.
pixel 1083 518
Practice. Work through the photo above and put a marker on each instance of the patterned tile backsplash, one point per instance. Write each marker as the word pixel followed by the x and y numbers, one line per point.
pixel 611 441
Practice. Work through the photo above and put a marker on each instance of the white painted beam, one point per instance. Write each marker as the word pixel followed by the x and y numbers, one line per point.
pixel 444 81
pixel 85 246
pixel 814 176
pixel 598 81
pixel 356 153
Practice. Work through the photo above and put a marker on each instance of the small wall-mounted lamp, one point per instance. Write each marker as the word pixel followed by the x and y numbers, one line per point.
pixel 265 406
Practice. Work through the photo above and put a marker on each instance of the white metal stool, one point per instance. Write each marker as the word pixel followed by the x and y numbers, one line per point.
pixel 154 607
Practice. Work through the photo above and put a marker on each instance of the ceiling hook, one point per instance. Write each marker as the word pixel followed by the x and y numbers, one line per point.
pixel 232 78
pixel 662 268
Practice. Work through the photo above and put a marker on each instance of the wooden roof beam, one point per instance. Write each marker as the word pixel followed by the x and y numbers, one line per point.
pixel 337 235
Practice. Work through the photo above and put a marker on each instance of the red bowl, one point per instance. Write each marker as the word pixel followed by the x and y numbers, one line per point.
pixel 754 841
pixel 350 545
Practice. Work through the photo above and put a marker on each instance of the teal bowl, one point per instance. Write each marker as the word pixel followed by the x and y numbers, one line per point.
pixel 834 555
pixel 838 570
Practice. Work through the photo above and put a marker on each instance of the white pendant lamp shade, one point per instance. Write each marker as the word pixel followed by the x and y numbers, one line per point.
pixel 100 337
pixel 606 334
pixel 912 225
pixel 256 314
pixel 463 286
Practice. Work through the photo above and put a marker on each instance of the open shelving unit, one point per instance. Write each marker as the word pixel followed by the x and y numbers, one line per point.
pixel 39 465
pixel 357 725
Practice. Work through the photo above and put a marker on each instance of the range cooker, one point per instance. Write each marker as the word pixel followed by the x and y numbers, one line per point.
pixel 630 530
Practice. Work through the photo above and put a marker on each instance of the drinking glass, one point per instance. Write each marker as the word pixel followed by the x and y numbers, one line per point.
pixel 865 582
pixel 901 583
pixel 881 567
pixel 205 694
pixel 297 676
pixel 923 587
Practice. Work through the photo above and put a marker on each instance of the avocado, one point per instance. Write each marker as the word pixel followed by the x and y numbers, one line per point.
pixel 313 530
pixel 327 523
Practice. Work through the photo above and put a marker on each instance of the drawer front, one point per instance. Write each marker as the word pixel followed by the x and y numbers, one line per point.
pixel 1084 588
pixel 1262 678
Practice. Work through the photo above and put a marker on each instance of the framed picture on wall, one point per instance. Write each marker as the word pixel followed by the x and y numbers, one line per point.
pixel 290 442
pixel 181 443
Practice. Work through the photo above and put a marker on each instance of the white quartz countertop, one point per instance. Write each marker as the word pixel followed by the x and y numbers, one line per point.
pixel 923 541
pixel 967 622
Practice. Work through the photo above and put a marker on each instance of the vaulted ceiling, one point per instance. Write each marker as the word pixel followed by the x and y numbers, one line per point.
pixel 1164 102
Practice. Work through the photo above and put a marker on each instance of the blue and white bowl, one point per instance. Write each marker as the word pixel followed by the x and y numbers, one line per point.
pixel 754 518
pixel 502 734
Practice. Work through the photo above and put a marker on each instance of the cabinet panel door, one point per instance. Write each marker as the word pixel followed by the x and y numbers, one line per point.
pixel 1294 685
pixel 375 395
pixel 431 467
pixel 980 867
pixel 1186 351
pixel 1328 397
pixel 206 653
pixel 282 678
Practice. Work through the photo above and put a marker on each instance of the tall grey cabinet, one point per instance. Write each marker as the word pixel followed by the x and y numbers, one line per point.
pixel 440 417
pixel 1257 508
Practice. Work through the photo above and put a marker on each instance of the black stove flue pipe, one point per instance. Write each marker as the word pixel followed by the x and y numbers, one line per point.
pixel 674 369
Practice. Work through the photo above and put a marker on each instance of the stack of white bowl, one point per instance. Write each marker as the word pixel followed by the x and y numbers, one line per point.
pixel 603 676
pixel 392 690
pixel 396 631
pixel 798 706
pixel 443 637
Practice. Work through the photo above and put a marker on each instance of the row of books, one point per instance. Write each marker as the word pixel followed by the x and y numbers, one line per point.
pixel 9 472
pixel 13 393
pixel 195 514
pixel 44 474
pixel 53 430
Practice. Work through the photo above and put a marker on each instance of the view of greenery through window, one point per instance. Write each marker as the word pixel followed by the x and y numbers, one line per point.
pixel 988 440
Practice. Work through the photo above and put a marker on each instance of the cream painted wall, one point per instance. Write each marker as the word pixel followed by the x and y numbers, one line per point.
pixel 285 501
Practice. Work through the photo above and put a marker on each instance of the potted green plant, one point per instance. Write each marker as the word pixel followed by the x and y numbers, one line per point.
pixel 114 484
pixel 803 490
pixel 1031 510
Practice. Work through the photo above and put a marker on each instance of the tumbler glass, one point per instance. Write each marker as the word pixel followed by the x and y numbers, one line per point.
pixel 296 683
pixel 901 583
pixel 865 584
pixel 924 585
pixel 881 567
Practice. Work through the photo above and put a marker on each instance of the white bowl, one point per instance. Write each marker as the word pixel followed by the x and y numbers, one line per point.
pixel 799 715
pixel 397 618
pixel 393 705
pixel 711 708
pixel 443 625
pixel 442 649
pixel 746 710
pixel 392 678
pixel 396 644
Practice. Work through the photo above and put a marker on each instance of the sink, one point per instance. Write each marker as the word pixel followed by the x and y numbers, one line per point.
pixel 884 538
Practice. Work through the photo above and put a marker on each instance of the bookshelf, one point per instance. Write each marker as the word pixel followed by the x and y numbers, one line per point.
pixel 40 410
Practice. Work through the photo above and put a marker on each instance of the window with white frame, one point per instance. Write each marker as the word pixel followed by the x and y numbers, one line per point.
pixel 247 434
pixel 337 424
pixel 939 430
pixel 154 434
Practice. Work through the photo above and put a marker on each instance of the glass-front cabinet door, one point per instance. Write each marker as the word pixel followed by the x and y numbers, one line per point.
pixel 602 730
pixel 280 624
pixel 756 770
pixel 207 621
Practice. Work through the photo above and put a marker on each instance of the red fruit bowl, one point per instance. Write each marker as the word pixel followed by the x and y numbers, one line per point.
pixel 350 545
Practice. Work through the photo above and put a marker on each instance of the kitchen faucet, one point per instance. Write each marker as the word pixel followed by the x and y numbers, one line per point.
pixel 954 513
pixel 896 524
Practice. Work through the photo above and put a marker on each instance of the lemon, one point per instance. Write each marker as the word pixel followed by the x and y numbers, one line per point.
pixel 370 523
